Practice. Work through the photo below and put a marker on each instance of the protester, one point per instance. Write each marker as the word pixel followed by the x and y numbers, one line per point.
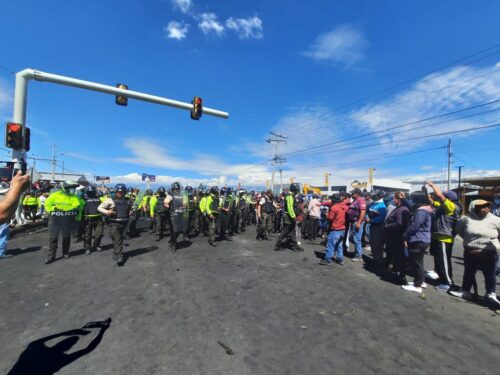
pixel 444 222
pixel 314 217
pixel 356 217
pixel 417 239
pixel 337 217
pixel 394 226
pixel 376 217
pixel 480 231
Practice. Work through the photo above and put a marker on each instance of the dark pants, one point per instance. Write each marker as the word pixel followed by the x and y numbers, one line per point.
pixel 416 252
pixel 160 223
pixel 377 242
pixel 30 212
pixel 265 225
pixel 288 231
pixel 277 222
pixel 66 241
pixel 486 262
pixel 395 252
pixel 116 233
pixel 94 228
pixel 313 223
pixel 212 229
pixel 442 260
pixel 223 217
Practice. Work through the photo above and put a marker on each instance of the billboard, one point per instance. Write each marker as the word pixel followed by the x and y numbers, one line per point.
pixel 148 177
pixel 103 179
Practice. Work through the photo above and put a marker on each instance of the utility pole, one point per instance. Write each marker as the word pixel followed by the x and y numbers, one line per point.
pixel 327 184
pixel 460 175
pixel 53 163
pixel 277 160
pixel 370 178
pixel 449 163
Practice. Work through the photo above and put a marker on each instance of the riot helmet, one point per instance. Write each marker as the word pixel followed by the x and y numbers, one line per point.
pixel 295 188
pixel 161 191
pixel 175 186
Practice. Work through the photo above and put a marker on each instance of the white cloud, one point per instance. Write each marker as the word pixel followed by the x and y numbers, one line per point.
pixel 439 93
pixel 343 45
pixel 210 24
pixel 183 5
pixel 148 153
pixel 176 30
pixel 246 28
pixel 427 167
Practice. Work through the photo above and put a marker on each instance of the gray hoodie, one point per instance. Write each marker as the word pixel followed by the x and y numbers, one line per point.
pixel 477 233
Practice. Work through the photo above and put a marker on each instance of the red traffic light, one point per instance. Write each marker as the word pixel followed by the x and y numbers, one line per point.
pixel 14 135
pixel 197 109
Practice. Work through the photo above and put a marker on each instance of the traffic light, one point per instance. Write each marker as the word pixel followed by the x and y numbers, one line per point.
pixel 27 139
pixel 197 109
pixel 121 100
pixel 14 135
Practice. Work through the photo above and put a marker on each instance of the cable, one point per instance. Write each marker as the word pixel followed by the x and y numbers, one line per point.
pixel 319 152
pixel 316 147
pixel 387 106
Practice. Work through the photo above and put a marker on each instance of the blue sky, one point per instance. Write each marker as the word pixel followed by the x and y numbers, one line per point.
pixel 291 67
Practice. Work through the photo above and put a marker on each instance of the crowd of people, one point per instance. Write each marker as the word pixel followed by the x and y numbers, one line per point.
pixel 397 229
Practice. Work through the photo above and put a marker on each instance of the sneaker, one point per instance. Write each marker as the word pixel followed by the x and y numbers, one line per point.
pixel 213 244
pixel 461 294
pixel 424 285
pixel 357 259
pixel 325 262
pixel 411 288
pixel 431 275
pixel 66 256
pixel 492 297
pixel 49 260
pixel 5 256
pixel 340 262
pixel 443 287
pixel 98 248
pixel 87 252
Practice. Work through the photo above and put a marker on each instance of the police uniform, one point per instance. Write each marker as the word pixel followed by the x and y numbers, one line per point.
pixel 159 213
pixel 267 211
pixel 290 211
pixel 64 209
pixel 30 206
pixel 93 224
pixel 117 222
pixel 212 210
pixel 178 216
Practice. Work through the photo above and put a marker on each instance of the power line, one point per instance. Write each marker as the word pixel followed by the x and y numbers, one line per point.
pixel 316 147
pixel 315 151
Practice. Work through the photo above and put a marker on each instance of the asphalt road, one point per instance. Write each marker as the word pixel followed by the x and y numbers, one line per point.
pixel 275 312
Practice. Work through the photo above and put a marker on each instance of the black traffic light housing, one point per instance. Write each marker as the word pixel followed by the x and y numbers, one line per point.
pixel 14 135
pixel 27 139
pixel 119 99
pixel 197 109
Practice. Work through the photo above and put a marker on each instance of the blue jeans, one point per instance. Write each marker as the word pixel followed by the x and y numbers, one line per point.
pixel 356 238
pixel 335 245
pixel 4 237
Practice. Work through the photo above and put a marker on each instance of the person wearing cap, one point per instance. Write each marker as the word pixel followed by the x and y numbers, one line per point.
pixel 447 213
pixel 356 218
pixel 376 216
pixel 480 231
pixel 65 211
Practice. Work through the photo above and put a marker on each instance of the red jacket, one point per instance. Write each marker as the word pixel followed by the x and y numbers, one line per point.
pixel 337 216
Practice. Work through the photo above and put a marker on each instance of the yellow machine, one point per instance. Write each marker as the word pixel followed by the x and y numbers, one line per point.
pixel 307 189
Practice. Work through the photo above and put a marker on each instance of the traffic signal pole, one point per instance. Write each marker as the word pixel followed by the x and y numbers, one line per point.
pixel 20 97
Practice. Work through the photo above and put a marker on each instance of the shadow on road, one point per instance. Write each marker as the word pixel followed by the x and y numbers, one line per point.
pixel 40 359
pixel 19 251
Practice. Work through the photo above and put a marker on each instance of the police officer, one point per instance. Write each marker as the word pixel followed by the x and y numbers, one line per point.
pixel 203 196
pixel 265 214
pixel 190 203
pixel 240 210
pixel 64 209
pixel 177 215
pixel 159 211
pixel 212 210
pixel 144 206
pixel 290 210
pixel 117 211
pixel 30 206
pixel 224 207
pixel 92 221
